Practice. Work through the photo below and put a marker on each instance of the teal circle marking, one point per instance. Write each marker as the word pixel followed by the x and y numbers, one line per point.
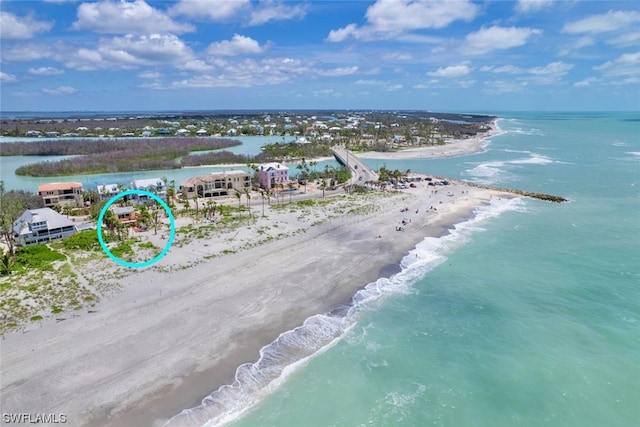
pixel 172 231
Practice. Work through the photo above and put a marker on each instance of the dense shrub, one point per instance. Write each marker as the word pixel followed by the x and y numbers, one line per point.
pixel 85 241
pixel 110 156
pixel 37 256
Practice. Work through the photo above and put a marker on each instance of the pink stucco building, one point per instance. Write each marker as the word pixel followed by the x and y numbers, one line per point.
pixel 270 175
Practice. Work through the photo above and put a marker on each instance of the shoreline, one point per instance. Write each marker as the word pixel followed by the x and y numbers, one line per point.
pixel 455 148
pixel 175 336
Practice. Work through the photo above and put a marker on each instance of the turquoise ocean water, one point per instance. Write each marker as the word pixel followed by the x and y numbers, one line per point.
pixel 528 314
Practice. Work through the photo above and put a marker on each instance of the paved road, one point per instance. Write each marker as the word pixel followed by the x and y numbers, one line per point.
pixel 360 172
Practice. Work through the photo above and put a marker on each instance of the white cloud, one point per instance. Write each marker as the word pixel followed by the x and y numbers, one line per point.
pixel 451 71
pixel 610 21
pixel 45 71
pixel 62 90
pixel 272 11
pixel 343 33
pixel 238 45
pixel 624 40
pixel 124 17
pixel 509 69
pixel 626 65
pixel 397 56
pixel 466 83
pixel 338 72
pixel 130 51
pixel 504 86
pixel 195 65
pixel 24 27
pixel 393 87
pixel 553 68
pixel 550 73
pixel 149 75
pixel 247 73
pixel 209 10
pixel 25 52
pixel 392 18
pixel 370 82
pixel 586 82
pixel 7 78
pixel 497 38
pixel 529 6
pixel 397 16
pixel 151 49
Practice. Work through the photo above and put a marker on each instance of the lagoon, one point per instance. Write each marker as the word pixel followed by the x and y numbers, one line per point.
pixel 250 146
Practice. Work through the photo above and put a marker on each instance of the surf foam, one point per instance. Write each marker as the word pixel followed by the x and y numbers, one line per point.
pixel 294 348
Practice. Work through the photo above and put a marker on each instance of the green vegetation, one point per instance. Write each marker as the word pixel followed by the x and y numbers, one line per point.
pixel 104 156
pixel 293 150
pixel 147 245
pixel 122 249
pixel 37 257
pixel 12 204
pixel 83 241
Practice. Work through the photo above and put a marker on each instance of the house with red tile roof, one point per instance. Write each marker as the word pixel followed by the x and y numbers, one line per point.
pixel 61 193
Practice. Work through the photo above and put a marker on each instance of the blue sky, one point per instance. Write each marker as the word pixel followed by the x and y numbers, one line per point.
pixel 475 56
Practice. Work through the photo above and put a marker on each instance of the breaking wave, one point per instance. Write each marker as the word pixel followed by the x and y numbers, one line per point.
pixel 292 349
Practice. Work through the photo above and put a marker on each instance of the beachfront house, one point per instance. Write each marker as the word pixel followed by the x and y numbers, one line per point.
pixel 41 226
pixel 107 191
pixel 271 175
pixel 127 215
pixel 152 185
pixel 216 184
pixel 61 193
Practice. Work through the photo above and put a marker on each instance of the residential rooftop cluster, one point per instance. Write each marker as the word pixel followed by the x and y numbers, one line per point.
pixel 48 224
pixel 337 126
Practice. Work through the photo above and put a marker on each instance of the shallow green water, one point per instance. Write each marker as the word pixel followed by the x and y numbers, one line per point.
pixel 531 317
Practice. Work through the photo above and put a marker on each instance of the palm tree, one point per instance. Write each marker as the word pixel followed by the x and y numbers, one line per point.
pixel 239 196
pixel 290 185
pixel 109 220
pixel 195 199
pixel 153 218
pixel 171 190
pixel 323 185
pixel 262 195
pixel 7 261
pixel 247 194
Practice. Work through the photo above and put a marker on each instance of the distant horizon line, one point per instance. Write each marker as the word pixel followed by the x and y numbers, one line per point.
pixel 257 110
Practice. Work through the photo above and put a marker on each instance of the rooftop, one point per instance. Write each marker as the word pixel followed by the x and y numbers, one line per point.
pixel 52 186
pixel 53 219
pixel 212 177
pixel 273 165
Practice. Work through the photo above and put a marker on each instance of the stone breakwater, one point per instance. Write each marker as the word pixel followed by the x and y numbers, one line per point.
pixel 541 196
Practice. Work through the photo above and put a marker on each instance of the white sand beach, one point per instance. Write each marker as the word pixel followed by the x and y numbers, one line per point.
pixel 453 148
pixel 166 336
pixel 175 333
